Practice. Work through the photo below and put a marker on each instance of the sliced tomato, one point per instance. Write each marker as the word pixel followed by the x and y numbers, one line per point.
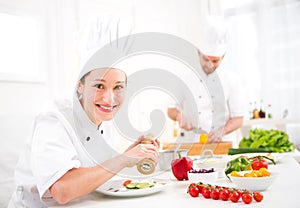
pixel 126 183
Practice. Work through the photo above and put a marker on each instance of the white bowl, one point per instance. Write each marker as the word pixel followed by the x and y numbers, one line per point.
pixel 203 177
pixel 253 183
pixel 207 163
pixel 208 160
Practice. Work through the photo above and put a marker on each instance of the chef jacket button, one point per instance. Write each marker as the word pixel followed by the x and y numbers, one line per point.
pixel 101 131
pixel 88 139
pixel 213 80
pixel 199 113
pixel 212 96
pixel 200 96
pixel 212 127
pixel 212 111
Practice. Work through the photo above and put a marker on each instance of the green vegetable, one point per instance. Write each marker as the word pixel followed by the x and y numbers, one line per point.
pixel 139 185
pixel 273 140
pixel 238 164
pixel 234 151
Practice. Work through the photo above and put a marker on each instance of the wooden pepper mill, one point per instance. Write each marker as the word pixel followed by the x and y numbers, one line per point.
pixel 146 166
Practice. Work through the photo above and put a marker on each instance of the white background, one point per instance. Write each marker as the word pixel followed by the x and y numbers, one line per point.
pixel 264 51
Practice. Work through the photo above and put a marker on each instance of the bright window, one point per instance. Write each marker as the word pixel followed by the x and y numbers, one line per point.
pixel 19 48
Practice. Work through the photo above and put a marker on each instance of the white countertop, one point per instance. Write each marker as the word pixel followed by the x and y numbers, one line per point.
pixel 284 192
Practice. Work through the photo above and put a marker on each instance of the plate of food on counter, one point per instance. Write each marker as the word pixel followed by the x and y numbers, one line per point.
pixel 132 187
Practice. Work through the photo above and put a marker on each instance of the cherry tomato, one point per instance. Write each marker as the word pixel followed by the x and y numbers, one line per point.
pixel 259 163
pixel 224 194
pixel 193 191
pixel 258 196
pixel 206 192
pixel 200 186
pixel 234 196
pixel 247 198
pixel 215 194
pixel 126 183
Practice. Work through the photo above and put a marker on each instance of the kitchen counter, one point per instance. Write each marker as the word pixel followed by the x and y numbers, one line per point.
pixel 197 148
pixel 283 193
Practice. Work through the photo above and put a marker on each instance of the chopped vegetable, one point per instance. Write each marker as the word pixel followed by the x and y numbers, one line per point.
pixel 238 164
pixel 243 163
pixel 137 185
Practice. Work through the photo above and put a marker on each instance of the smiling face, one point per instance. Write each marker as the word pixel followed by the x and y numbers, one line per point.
pixel 209 63
pixel 102 93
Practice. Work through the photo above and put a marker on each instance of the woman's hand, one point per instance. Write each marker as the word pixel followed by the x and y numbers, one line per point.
pixel 138 151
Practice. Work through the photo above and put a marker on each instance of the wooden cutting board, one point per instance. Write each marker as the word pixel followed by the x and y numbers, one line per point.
pixel 197 148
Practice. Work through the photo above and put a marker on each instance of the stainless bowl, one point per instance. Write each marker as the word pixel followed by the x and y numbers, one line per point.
pixel 166 157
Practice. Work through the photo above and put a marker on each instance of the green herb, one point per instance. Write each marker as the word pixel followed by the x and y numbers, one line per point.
pixel 274 140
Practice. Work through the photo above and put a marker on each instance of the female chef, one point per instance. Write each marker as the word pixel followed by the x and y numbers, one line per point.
pixel 71 150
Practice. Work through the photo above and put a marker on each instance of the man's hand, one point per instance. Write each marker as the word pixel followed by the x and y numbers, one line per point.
pixel 184 123
pixel 216 136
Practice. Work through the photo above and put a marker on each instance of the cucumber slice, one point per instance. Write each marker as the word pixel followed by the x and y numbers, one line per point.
pixel 144 185
pixel 132 185
pixel 139 185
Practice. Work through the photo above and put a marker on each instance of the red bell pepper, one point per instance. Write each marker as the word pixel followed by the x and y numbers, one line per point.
pixel 181 167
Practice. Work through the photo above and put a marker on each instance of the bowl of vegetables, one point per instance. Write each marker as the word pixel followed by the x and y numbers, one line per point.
pixel 203 175
pixel 253 180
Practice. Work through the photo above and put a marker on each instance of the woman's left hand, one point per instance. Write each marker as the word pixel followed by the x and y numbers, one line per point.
pixel 138 151
pixel 155 142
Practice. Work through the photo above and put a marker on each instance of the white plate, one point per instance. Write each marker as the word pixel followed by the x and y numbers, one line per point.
pixel 116 188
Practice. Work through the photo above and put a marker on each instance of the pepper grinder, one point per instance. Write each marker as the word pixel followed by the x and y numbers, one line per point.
pixel 146 166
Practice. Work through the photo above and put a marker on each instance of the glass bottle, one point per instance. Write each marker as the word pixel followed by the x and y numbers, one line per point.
pixel 255 111
pixel 262 113
pixel 269 112
pixel 175 129
pixel 250 110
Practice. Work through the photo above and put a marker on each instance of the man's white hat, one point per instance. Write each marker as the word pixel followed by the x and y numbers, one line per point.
pixel 214 37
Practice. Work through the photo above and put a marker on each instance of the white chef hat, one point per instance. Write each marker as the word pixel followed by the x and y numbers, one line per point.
pixel 214 37
pixel 100 31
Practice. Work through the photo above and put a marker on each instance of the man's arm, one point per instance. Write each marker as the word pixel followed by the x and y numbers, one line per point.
pixel 176 115
pixel 173 113
pixel 231 125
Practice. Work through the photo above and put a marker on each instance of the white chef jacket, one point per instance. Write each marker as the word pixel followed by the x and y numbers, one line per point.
pixel 234 100
pixel 55 147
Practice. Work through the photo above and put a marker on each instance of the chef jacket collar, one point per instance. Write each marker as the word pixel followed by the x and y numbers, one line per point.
pixel 84 126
